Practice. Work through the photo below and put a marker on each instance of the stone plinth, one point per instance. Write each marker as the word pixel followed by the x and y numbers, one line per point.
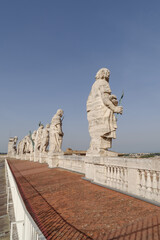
pixel 71 162
pixel 22 157
pixel 32 157
pixel 53 161
pixel 27 156
pixel 36 156
pixel 43 157
pixel 101 153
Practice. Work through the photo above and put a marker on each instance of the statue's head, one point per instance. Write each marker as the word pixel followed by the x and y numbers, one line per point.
pixel 41 126
pixel 103 73
pixel 34 133
pixel 60 112
pixel 48 125
pixel 15 139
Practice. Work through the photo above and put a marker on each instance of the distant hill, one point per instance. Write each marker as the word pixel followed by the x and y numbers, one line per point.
pixel 142 155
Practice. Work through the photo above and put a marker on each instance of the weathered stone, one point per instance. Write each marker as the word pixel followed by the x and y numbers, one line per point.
pixel 101 106
pixel 56 134
pixel 37 146
pixel 45 139
pixel 12 149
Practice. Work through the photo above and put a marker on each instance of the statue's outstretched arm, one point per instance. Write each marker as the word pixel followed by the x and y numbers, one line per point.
pixel 107 102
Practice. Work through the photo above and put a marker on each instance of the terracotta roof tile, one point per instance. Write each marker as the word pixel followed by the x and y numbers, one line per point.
pixel 65 206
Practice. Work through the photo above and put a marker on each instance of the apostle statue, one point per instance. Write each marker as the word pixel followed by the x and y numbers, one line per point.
pixel 38 138
pixel 101 106
pixel 45 139
pixel 56 134
pixel 12 149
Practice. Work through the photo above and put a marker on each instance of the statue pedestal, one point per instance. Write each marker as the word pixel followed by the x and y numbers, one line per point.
pixel 23 157
pixel 17 156
pixel 101 153
pixel 43 157
pixel 32 157
pixel 27 156
pixel 36 156
pixel 53 159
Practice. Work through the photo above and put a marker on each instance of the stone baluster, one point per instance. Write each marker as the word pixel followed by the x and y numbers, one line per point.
pixel 158 186
pixel 149 185
pixel 105 174
pixel 139 182
pixel 155 187
pixel 143 183
pixel 111 168
pixel 114 176
pixel 108 176
pixel 125 179
pixel 118 178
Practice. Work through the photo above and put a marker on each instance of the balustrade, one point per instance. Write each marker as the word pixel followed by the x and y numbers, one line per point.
pixel 116 177
pixel 149 183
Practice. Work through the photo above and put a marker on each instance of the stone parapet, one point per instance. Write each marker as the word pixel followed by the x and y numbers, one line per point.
pixel 140 177
pixel 43 157
pixel 71 162
pixel 134 176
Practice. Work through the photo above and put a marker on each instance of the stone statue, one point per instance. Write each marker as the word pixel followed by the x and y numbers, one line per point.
pixel 38 138
pixel 56 134
pixel 12 149
pixel 33 139
pixel 20 147
pixel 28 144
pixel 101 106
pixel 45 139
pixel 24 146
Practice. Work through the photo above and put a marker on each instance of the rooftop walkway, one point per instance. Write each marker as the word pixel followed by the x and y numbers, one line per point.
pixel 65 206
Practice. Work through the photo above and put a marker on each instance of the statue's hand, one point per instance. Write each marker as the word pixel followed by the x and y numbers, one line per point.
pixel 119 109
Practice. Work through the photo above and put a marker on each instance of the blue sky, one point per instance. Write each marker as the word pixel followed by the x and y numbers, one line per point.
pixel 50 52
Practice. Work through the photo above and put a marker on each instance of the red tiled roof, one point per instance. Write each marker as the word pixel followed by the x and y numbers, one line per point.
pixel 65 206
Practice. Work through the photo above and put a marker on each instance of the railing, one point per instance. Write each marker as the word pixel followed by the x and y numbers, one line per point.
pixel 26 227
pixel 139 177
pixel 117 177
pixel 149 184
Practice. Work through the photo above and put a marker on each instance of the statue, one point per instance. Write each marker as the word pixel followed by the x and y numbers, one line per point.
pixel 33 136
pixel 45 139
pixel 12 149
pixel 24 146
pixel 101 106
pixel 38 138
pixel 56 134
pixel 20 147
pixel 28 144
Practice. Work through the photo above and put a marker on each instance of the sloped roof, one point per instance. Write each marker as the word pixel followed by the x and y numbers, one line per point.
pixel 65 206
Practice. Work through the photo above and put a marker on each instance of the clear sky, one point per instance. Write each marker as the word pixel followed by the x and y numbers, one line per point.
pixel 50 52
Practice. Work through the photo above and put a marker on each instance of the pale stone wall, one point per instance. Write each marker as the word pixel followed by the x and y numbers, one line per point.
pixel 135 176
pixel 139 177
pixel 70 162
